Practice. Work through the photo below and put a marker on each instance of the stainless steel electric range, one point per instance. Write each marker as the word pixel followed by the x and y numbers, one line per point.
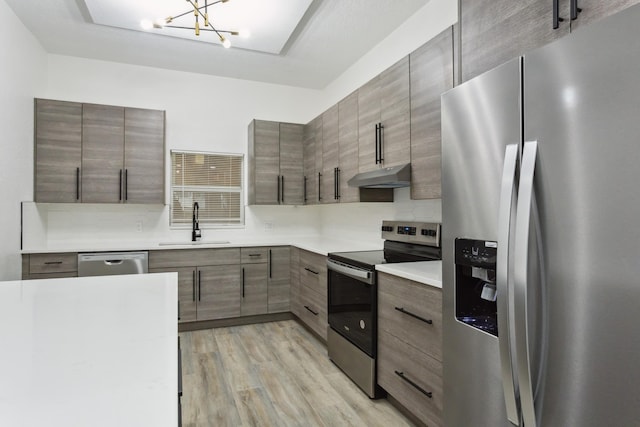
pixel 352 296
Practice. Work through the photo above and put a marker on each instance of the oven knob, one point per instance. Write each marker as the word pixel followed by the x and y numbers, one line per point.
pixel 362 324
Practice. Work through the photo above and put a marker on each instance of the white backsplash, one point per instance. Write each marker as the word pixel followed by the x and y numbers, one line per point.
pixel 50 226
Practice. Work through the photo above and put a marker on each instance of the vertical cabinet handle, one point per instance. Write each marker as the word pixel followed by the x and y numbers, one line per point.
pixel 199 285
pixel 278 185
pixel 574 10
pixel 304 184
pixel 242 282
pixel 120 186
pixel 381 143
pixel 270 264
pixel 377 139
pixel 194 286
pixel 338 183
pixel 77 183
pixel 282 189
pixel 126 184
pixel 556 15
pixel 319 186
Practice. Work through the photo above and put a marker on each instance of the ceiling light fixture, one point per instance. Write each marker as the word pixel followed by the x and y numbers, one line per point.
pixel 197 12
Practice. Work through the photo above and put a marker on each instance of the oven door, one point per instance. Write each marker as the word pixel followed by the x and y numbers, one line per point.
pixel 351 303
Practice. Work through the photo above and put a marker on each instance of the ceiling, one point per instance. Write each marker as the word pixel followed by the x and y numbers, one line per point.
pixel 307 43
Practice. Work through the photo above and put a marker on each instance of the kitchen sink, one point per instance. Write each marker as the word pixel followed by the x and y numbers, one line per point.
pixel 199 242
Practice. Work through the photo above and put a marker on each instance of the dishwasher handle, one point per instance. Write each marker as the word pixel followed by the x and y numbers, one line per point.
pixel 113 261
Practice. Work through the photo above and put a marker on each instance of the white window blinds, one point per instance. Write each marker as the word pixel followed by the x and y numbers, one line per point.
pixel 212 180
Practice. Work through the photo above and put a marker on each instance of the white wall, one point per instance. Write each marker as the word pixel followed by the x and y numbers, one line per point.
pixel 212 113
pixel 22 75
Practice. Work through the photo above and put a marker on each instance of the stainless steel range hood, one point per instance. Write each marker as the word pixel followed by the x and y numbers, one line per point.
pixel 392 177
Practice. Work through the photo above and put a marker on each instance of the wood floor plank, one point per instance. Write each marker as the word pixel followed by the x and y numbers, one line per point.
pixel 271 374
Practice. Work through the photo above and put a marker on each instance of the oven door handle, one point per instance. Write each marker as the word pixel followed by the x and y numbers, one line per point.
pixel 365 276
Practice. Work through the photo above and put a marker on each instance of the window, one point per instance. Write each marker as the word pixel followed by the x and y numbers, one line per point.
pixel 212 180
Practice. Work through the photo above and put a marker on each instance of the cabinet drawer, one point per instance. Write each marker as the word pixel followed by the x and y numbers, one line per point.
pixel 313 272
pixel 53 263
pixel 254 255
pixel 193 257
pixel 313 312
pixel 404 307
pixel 394 358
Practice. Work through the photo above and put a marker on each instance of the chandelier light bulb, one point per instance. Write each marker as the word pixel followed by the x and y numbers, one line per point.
pixel 225 42
pixel 146 24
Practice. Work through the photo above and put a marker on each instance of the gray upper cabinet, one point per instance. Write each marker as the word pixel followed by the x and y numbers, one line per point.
pixel 291 167
pixel 58 151
pixel 144 155
pixel 311 138
pixel 98 153
pixel 275 163
pixel 264 162
pixel 330 154
pixel 592 10
pixel 431 74
pixel 494 31
pixel 348 148
pixel 102 153
pixel 385 102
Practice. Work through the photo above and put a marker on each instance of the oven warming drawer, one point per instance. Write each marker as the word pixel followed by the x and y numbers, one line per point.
pixel 354 362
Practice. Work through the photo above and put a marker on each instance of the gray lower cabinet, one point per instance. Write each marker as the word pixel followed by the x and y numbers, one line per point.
pixel 410 345
pixel 310 303
pixel 95 153
pixel 275 163
pixel 279 288
pixel 431 74
pixel 294 272
pixel 49 265
pixel 254 289
pixel 385 102
pixel 58 151
pixel 209 281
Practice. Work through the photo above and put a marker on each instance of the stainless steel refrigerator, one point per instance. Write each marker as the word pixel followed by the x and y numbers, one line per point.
pixel 541 236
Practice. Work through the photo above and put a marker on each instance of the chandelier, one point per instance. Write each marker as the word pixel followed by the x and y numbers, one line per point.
pixel 199 13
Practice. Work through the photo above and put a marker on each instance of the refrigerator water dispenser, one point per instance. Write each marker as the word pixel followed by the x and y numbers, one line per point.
pixel 475 282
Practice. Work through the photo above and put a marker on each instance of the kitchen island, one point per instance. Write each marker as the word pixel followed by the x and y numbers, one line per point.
pixel 95 351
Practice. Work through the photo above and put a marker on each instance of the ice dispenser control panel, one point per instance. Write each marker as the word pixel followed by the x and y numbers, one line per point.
pixel 476 284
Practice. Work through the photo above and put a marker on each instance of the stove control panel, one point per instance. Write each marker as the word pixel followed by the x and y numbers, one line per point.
pixel 423 233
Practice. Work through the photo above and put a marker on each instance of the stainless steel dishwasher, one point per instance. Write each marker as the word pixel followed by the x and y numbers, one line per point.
pixel 112 263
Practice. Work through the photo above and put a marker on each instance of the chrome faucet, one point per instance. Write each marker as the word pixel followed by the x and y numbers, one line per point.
pixel 195 229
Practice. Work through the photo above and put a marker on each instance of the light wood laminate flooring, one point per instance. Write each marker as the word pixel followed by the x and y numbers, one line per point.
pixel 271 374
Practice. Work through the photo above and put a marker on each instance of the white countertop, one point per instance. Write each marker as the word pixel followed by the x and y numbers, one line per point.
pixel 95 351
pixel 318 244
pixel 426 272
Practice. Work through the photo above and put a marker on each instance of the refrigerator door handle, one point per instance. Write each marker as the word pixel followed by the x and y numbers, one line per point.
pixel 520 266
pixel 503 282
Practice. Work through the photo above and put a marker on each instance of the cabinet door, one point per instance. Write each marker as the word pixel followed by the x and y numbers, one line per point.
pixel 495 31
pixel 218 292
pixel 395 114
pixel 253 289
pixel 310 191
pixel 264 161
pixel 58 151
pixel 144 156
pixel 291 166
pixel 330 152
pixel 187 291
pixel 592 10
pixel 319 143
pixel 279 279
pixel 348 147
pixel 102 153
pixel 431 75
pixel 368 118
pixel 295 281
